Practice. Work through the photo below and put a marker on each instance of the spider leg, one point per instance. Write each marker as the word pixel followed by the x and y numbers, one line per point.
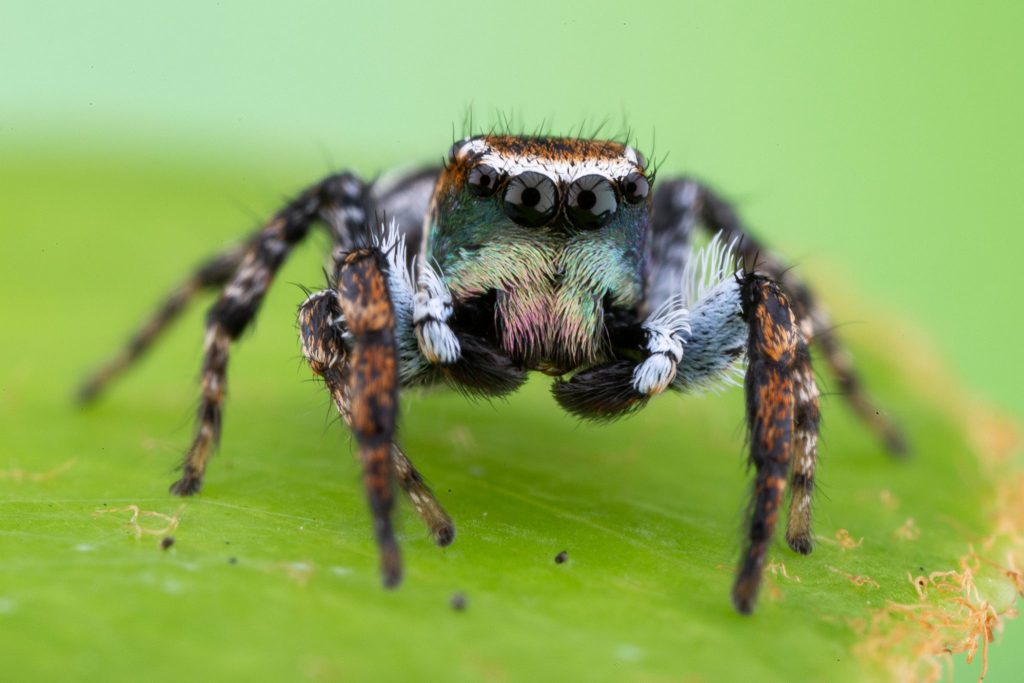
pixel 372 387
pixel 440 340
pixel 321 328
pixel 740 313
pixel 682 204
pixel 214 272
pixel 806 417
pixel 339 199
pixel 772 354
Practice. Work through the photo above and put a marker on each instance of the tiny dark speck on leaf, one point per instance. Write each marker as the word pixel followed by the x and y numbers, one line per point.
pixel 458 602
pixel 232 560
pixel 166 542
pixel 562 557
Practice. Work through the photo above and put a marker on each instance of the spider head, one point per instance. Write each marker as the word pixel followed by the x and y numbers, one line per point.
pixel 552 226
pixel 542 183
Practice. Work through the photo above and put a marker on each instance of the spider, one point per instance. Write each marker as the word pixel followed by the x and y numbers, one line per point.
pixel 532 253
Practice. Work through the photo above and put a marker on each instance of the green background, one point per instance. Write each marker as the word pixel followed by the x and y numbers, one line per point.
pixel 878 147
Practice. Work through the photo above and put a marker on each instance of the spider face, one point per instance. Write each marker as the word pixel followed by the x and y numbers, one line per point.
pixel 554 230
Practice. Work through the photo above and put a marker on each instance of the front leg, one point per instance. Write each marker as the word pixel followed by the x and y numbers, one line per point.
pixel 322 332
pixel 440 339
pixel 741 313
pixel 683 204
pixel 772 352
pixel 372 389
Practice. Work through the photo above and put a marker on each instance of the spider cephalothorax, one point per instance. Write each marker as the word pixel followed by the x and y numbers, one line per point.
pixel 531 253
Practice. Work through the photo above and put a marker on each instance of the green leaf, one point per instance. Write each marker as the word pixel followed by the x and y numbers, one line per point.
pixel 273 573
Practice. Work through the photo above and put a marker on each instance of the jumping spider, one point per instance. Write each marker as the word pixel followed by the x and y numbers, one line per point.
pixel 533 253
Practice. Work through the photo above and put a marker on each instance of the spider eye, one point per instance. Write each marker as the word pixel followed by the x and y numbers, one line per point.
pixel 635 187
pixel 453 151
pixel 591 202
pixel 531 199
pixel 483 180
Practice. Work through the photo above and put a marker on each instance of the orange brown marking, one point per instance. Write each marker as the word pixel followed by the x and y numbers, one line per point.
pixel 365 302
pixel 772 353
pixel 557 149
pixel 372 390
pixel 325 351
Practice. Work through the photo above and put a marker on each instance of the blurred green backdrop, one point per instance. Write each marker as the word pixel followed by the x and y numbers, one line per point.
pixel 877 143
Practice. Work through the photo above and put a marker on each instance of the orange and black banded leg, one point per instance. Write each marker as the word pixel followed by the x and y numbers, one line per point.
pixel 338 197
pixel 213 273
pixel 682 204
pixel 321 329
pixel 771 400
pixel 814 320
pixel 371 386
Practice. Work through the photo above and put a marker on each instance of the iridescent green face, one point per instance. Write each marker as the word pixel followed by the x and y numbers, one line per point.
pixel 555 228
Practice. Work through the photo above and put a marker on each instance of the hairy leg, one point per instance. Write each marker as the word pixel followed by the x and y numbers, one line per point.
pixel 799 533
pixel 214 272
pixel 680 205
pixel 338 199
pixel 742 312
pixel 321 331
pixel 772 356
pixel 371 384
pixel 439 339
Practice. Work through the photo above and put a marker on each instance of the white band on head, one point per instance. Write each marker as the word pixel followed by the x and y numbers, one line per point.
pixel 559 170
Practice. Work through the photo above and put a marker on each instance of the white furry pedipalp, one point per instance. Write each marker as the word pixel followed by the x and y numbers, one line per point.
pixel 432 306
pixel 391 243
pixel 717 339
pixel 666 329
pixel 709 267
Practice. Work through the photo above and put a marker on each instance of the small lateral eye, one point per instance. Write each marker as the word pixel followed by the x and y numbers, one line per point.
pixel 483 180
pixel 453 151
pixel 531 199
pixel 635 187
pixel 591 202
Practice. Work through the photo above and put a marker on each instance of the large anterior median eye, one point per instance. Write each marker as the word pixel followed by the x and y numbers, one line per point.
pixel 591 202
pixel 531 199
pixel 483 180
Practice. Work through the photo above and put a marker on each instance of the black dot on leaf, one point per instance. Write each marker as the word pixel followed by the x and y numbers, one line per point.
pixel 458 602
